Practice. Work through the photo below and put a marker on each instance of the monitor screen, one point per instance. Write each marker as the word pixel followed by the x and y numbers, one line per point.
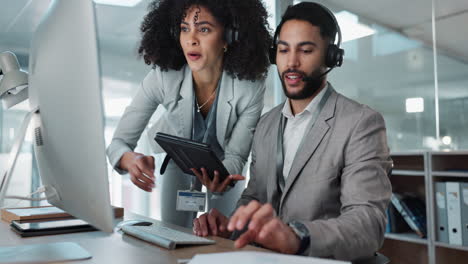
pixel 65 87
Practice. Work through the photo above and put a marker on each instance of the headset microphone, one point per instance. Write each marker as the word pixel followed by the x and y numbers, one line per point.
pixel 315 78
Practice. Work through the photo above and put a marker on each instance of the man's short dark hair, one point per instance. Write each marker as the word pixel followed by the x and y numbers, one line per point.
pixel 315 14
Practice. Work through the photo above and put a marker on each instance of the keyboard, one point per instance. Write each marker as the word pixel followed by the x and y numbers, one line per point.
pixel 164 236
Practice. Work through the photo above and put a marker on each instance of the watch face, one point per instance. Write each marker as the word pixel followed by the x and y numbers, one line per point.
pixel 300 230
pixel 303 233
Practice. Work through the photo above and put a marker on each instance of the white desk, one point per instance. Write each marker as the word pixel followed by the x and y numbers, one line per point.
pixel 118 248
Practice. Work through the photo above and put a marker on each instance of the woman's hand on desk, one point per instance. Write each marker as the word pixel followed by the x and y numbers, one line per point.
pixel 214 185
pixel 141 169
pixel 211 223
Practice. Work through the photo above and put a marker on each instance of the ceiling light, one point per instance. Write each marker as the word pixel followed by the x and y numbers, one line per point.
pixel 351 28
pixel 447 140
pixel 415 105
pixel 128 3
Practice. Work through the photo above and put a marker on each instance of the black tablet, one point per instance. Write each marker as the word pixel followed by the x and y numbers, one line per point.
pixel 189 154
pixel 50 227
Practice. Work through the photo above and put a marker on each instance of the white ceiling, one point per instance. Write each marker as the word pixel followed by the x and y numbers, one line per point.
pixel 119 25
pixel 414 19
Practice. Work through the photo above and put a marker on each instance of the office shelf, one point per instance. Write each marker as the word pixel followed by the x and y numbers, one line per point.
pixel 445 245
pixel 450 174
pixel 428 167
pixel 408 237
pixel 408 173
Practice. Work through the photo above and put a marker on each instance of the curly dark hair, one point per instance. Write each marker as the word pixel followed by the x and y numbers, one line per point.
pixel 245 59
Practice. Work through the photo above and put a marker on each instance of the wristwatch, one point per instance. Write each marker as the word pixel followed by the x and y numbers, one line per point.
pixel 303 233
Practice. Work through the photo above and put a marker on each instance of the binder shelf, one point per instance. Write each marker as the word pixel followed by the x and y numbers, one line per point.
pixel 408 237
pixel 440 179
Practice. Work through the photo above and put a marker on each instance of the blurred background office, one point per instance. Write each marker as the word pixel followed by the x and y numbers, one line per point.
pixel 406 59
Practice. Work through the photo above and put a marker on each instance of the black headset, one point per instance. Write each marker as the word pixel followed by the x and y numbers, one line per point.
pixel 334 56
pixel 231 33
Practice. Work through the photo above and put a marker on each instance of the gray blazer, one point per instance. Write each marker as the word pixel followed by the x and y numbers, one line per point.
pixel 338 185
pixel 240 104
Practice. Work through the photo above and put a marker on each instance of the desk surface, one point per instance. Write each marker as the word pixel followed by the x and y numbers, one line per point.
pixel 119 248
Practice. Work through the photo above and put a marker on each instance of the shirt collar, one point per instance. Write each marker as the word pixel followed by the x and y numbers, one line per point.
pixel 310 108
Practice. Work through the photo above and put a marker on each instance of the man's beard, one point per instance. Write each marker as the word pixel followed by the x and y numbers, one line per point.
pixel 310 86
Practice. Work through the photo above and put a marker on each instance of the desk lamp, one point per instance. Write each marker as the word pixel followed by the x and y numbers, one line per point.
pixel 14 82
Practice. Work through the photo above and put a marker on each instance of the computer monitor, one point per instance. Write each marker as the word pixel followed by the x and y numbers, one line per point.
pixel 65 87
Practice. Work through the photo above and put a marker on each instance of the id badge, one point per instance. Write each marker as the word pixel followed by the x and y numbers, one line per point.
pixel 191 201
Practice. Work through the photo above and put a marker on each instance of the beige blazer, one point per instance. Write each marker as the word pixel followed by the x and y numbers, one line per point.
pixel 239 108
pixel 338 185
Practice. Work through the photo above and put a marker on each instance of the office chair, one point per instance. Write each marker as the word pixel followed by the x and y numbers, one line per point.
pixel 376 259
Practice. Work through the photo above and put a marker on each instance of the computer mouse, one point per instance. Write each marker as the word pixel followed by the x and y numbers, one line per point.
pixel 133 222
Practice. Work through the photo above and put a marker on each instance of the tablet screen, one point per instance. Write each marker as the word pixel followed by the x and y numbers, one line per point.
pixel 189 154
pixel 48 224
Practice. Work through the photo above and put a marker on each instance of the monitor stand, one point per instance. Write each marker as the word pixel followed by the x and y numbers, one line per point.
pixel 14 153
pixel 50 191
pixel 43 253
pixel 34 253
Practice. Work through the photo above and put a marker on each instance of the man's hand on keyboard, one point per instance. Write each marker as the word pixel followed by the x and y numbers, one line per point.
pixel 264 227
pixel 211 223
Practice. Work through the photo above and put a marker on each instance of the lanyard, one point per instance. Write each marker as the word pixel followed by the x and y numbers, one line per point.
pixel 194 184
pixel 279 141
pixel 208 122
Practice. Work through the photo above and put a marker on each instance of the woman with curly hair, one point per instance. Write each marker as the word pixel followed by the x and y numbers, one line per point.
pixel 209 61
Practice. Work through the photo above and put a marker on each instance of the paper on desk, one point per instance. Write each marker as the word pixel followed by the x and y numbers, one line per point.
pixel 36 211
pixel 253 257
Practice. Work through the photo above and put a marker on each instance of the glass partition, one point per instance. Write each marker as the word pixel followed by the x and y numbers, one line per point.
pixel 452 72
pixel 392 73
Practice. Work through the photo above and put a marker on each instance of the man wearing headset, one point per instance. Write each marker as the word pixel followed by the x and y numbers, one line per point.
pixel 319 175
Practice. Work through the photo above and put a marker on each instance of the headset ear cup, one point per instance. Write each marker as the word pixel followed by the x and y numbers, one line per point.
pixel 339 57
pixel 330 59
pixel 272 54
pixel 231 35
pixel 173 34
pixel 228 36
pixel 334 56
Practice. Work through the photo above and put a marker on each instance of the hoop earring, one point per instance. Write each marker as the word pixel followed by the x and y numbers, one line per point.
pixel 225 49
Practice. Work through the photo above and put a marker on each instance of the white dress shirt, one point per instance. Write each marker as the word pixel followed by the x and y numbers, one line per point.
pixel 295 129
